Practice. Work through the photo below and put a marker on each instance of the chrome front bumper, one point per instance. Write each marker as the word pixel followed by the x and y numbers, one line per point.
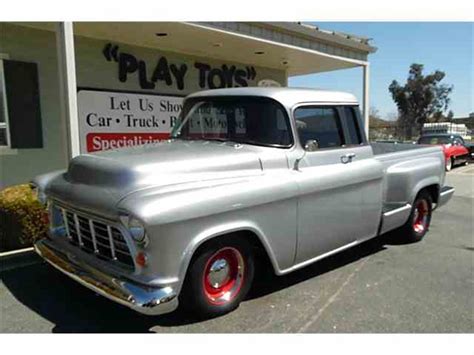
pixel 141 298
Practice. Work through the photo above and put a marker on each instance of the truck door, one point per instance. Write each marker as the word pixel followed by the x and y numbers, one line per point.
pixel 340 184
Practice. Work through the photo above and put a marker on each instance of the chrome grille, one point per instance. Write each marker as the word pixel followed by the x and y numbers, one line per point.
pixel 101 239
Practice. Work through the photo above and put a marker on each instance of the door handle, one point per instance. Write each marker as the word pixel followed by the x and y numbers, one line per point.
pixel 347 158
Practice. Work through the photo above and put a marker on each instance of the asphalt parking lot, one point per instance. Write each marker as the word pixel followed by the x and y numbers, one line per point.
pixel 380 286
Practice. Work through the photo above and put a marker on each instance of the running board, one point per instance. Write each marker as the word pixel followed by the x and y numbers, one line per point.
pixel 394 215
pixel 444 196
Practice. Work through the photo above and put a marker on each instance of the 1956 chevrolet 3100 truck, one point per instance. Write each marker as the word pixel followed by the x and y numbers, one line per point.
pixel 277 173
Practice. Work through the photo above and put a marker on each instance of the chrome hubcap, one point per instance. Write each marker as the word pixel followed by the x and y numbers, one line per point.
pixel 219 273
pixel 223 276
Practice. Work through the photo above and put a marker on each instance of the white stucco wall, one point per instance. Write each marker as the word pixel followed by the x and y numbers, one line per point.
pixel 28 45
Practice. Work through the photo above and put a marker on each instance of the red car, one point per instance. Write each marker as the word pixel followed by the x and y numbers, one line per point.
pixel 455 149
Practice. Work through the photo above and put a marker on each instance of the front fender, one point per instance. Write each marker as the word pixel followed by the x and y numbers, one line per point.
pixel 42 181
pixel 179 222
pixel 221 231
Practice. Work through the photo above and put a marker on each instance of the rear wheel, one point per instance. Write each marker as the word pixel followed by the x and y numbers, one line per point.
pixel 449 163
pixel 219 277
pixel 419 221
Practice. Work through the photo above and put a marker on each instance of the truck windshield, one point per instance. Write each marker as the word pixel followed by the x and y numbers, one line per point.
pixel 246 120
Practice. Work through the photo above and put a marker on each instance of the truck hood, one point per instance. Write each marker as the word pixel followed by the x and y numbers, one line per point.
pixel 97 180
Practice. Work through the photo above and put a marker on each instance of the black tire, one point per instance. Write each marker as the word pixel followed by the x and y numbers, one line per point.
pixel 449 164
pixel 198 294
pixel 418 223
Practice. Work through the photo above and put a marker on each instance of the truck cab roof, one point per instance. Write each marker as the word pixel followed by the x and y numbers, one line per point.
pixel 288 97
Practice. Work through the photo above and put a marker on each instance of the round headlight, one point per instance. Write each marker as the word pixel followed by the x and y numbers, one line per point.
pixel 137 230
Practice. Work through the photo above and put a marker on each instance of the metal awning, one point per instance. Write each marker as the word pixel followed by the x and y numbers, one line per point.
pixel 204 40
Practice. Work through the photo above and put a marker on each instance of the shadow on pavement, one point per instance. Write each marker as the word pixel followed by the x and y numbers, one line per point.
pixel 73 308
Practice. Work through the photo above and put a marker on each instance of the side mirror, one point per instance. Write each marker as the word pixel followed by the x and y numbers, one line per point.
pixel 311 145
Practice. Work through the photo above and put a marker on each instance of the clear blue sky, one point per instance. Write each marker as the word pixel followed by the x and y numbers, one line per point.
pixel 438 45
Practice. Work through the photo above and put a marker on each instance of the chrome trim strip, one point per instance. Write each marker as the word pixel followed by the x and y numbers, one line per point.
pixel 319 257
pixel 145 299
pixel 78 230
pixel 66 223
pixel 94 241
pixel 397 210
pixel 445 195
pixel 111 241
pixel 446 190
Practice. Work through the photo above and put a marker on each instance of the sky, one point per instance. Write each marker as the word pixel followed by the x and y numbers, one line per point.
pixel 441 46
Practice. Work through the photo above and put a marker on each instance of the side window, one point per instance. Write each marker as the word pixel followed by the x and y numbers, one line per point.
pixel 321 124
pixel 353 129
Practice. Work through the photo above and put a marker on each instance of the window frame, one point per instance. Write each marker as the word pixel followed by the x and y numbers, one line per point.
pixel 3 96
pixel 224 98
pixel 356 116
pixel 339 124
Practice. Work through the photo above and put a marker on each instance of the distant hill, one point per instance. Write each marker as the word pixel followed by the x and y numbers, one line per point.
pixel 376 122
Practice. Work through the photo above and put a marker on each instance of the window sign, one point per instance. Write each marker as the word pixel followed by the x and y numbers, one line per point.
pixel 111 120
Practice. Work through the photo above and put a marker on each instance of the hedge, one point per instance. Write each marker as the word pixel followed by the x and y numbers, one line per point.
pixel 23 220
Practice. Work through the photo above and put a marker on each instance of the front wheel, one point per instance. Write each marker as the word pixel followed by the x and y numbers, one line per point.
pixel 219 277
pixel 419 221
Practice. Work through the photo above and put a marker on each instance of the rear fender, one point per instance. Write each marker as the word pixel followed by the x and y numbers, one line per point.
pixel 406 179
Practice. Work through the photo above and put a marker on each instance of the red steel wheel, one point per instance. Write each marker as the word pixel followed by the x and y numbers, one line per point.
pixel 418 223
pixel 219 276
pixel 223 276
pixel 420 216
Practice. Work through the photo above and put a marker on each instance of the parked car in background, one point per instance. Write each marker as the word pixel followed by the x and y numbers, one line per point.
pixel 455 149
pixel 277 174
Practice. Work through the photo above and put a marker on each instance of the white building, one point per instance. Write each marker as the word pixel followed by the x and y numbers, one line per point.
pixel 58 81
pixel 446 127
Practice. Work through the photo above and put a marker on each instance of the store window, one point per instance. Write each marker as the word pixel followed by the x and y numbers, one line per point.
pixel 20 119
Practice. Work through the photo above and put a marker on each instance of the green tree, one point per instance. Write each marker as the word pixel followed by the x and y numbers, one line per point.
pixel 420 99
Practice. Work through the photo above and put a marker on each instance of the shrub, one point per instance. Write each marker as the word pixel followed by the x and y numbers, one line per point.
pixel 20 207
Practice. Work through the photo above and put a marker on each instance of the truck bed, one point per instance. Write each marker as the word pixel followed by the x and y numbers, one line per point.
pixel 385 148
pixel 407 167
pixel 392 153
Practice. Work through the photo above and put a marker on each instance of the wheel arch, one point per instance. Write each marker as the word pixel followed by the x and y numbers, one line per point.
pixel 433 190
pixel 431 184
pixel 251 233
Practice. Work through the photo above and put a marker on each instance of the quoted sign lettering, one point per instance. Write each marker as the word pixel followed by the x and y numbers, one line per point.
pixel 165 73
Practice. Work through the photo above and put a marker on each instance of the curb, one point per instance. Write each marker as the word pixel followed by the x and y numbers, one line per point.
pixel 18 258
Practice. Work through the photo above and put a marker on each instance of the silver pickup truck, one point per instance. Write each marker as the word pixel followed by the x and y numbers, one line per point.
pixel 275 173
